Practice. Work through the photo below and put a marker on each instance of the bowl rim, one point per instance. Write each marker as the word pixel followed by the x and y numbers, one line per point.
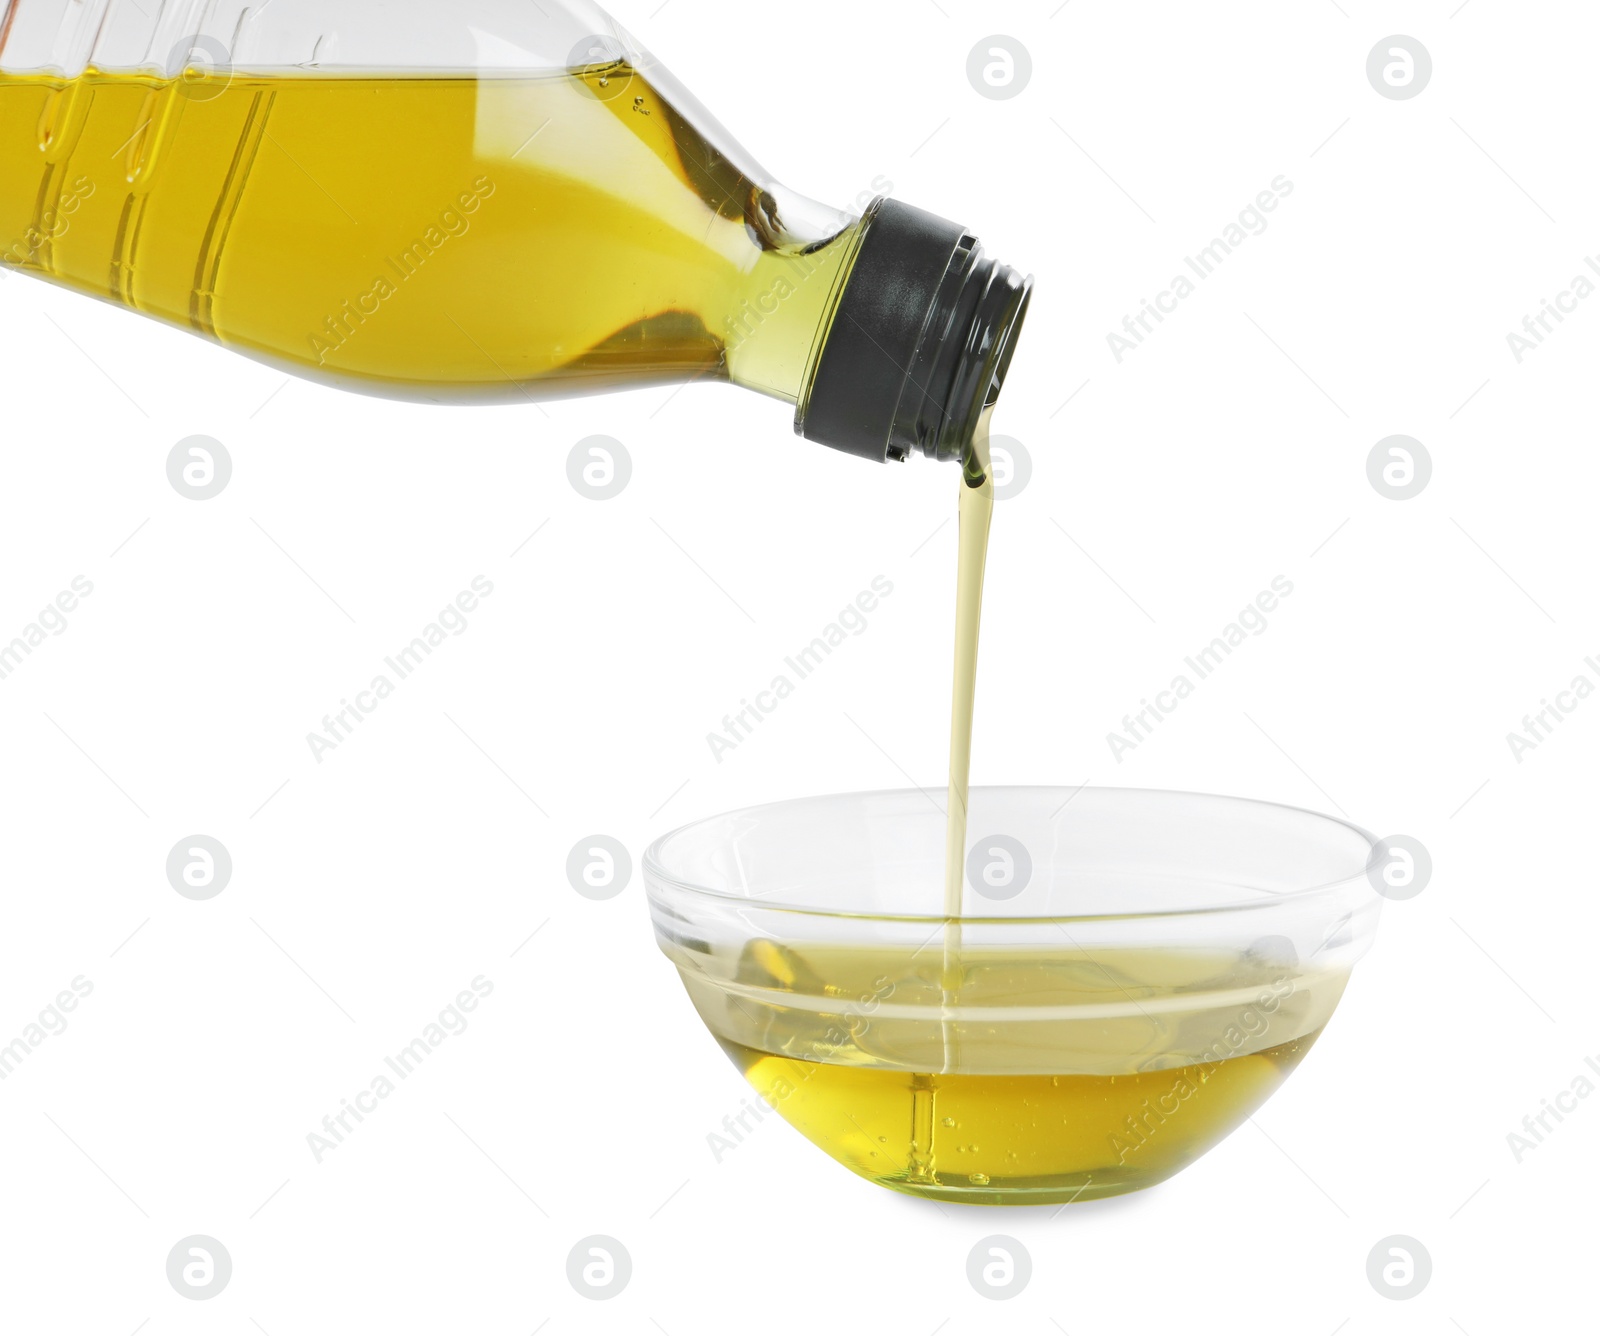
pixel 655 874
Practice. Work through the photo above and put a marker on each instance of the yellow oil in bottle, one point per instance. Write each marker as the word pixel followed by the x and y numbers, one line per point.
pixel 444 238
pixel 1078 1074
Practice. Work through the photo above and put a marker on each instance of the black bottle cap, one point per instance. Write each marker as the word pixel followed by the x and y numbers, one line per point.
pixel 919 344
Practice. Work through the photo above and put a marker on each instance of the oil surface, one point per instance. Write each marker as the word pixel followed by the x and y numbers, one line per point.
pixel 1078 1074
pixel 434 237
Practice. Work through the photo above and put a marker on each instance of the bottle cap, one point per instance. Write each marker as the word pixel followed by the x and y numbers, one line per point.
pixel 920 341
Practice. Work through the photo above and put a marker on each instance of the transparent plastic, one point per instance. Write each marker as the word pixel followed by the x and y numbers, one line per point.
pixel 1133 974
pixel 480 200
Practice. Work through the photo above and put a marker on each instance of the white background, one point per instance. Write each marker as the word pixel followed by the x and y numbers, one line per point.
pixel 1231 448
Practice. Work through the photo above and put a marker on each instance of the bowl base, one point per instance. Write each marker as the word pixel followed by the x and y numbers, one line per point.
pixel 1115 1181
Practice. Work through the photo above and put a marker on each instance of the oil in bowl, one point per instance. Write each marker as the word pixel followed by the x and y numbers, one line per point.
pixel 1168 961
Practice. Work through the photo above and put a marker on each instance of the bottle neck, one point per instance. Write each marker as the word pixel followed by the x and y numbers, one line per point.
pixel 919 343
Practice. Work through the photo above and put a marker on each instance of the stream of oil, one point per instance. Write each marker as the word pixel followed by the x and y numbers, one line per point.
pixel 975 511
pixel 976 508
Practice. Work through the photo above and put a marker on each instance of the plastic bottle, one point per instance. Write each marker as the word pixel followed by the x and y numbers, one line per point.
pixel 476 201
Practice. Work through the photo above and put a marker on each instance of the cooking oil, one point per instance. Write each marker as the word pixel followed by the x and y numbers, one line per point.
pixel 438 237
pixel 974 513
pixel 1081 1074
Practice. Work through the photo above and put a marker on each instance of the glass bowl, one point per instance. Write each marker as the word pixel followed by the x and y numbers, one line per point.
pixel 1131 975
